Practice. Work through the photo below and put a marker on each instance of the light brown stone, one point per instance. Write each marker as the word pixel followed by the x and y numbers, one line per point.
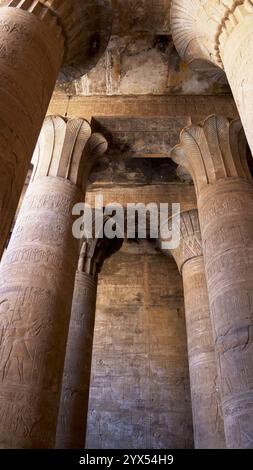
pixel 71 429
pixel 36 38
pixel 215 154
pixel 222 34
pixel 193 107
pixel 206 403
pixel 167 193
pixel 36 284
pixel 30 47
pixel 140 392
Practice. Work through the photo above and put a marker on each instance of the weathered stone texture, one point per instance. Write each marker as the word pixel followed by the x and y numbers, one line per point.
pixel 150 137
pixel 37 38
pixel 36 284
pixel 143 64
pixel 37 280
pixel 167 193
pixel 220 34
pixel 72 416
pixel 139 395
pixel 225 216
pixel 30 48
pixel 76 378
pixel 215 154
pixel 141 57
pixel 205 390
pixel 144 15
pixel 236 50
pixel 196 107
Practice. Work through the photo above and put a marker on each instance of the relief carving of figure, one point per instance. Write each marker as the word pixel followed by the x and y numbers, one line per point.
pixel 15 342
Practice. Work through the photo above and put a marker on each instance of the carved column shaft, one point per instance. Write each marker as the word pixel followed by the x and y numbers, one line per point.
pixel 37 37
pixel 227 231
pixel 73 410
pixel 71 429
pixel 235 47
pixel 31 53
pixel 221 33
pixel 36 285
pixel 215 154
pixel 206 401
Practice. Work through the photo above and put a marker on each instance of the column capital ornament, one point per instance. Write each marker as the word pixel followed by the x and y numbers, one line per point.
pixel 94 251
pixel 67 149
pixel 84 24
pixel 215 149
pixel 200 28
pixel 190 246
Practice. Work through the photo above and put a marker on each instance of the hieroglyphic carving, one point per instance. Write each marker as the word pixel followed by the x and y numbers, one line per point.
pixel 236 40
pixel 216 157
pixel 36 284
pixel 142 137
pixel 86 27
pixel 205 384
pixel 30 58
pixel 229 270
pixel 140 355
pixel 220 33
pixel 76 377
pixel 37 279
pixel 36 38
pixel 206 401
pixel 75 386
pixel 190 238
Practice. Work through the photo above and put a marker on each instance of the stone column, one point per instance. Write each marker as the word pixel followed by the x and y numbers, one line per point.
pixel 206 403
pixel 220 32
pixel 215 154
pixel 73 411
pixel 37 38
pixel 36 284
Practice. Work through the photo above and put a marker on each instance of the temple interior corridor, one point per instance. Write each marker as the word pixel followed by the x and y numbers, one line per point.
pixel 126 224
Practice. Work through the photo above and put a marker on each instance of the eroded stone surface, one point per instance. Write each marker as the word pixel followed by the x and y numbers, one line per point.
pixel 194 107
pixel 215 154
pixel 36 285
pixel 222 34
pixel 71 429
pixel 141 58
pixel 139 396
pixel 206 402
pixel 143 64
pixel 24 98
pixel 86 27
pixel 37 38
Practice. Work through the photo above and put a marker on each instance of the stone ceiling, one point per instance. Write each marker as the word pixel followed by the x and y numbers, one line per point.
pixel 141 58
pixel 134 16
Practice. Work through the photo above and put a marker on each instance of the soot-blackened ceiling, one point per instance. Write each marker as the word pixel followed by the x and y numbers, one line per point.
pixel 141 58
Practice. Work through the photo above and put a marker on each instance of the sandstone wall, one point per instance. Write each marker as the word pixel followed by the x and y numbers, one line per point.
pixel 139 395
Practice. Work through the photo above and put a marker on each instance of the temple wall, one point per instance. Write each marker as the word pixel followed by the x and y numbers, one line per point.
pixel 139 395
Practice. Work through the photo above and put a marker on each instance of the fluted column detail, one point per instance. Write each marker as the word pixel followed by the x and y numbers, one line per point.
pixel 215 154
pixel 36 284
pixel 206 402
pixel 37 40
pixel 221 33
pixel 71 429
